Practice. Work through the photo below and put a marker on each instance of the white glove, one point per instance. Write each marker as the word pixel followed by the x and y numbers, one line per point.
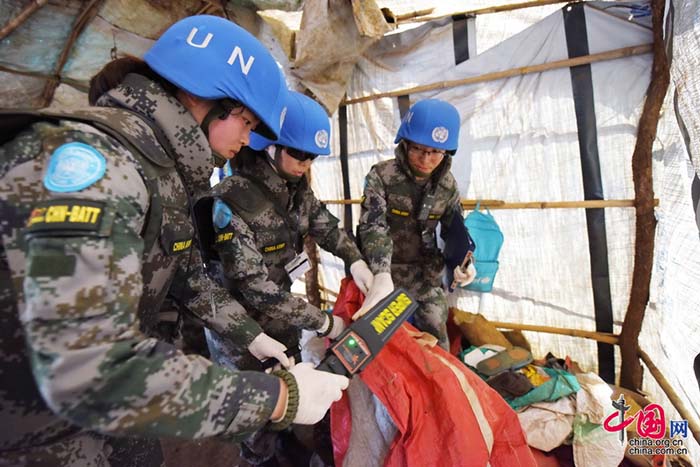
pixel 464 277
pixel 278 366
pixel 317 391
pixel 362 276
pixel 381 287
pixel 264 346
pixel 338 327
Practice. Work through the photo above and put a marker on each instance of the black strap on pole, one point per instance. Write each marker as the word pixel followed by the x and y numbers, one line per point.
pixel 582 87
pixel 460 38
pixel 404 104
pixel 345 172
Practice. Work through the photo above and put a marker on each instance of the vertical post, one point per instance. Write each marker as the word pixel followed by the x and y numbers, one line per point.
pixel 631 371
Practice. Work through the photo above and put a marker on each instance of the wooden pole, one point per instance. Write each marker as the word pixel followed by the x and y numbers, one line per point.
pixel 311 276
pixel 89 12
pixel 631 369
pixel 415 17
pixel 604 337
pixel 23 16
pixel 693 424
pixel 312 287
pixel 569 62
pixel 498 204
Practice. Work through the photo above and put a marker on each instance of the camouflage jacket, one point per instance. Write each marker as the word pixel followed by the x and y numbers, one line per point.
pixel 87 280
pixel 258 242
pixel 389 229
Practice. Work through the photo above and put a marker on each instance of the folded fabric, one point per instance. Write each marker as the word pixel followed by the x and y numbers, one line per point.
pixel 473 355
pixel 535 374
pixel 510 384
pixel 510 359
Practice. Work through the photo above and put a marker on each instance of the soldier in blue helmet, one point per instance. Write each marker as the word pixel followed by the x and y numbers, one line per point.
pixel 260 217
pixel 96 233
pixel 404 200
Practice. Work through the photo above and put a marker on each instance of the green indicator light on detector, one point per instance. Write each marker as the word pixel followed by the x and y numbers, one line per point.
pixel 352 342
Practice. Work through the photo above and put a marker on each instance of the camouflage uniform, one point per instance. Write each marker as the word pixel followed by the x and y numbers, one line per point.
pixel 258 242
pixel 87 283
pixel 394 240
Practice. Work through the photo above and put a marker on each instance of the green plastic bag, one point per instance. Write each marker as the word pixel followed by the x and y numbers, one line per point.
pixel 561 384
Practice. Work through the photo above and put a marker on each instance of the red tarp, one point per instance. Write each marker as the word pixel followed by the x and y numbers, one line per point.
pixel 445 414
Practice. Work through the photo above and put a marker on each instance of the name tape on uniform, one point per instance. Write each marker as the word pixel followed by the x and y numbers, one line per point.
pixel 78 215
pixel 399 212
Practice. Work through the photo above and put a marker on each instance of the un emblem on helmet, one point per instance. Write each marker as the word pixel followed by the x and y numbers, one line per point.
pixel 440 134
pixel 321 139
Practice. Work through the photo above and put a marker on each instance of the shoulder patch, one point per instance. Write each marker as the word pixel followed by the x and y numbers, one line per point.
pixel 222 214
pixel 74 166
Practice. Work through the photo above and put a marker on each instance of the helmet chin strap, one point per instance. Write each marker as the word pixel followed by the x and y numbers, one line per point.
pixel 217 112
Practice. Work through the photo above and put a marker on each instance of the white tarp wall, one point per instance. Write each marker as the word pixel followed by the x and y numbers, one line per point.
pixel 521 141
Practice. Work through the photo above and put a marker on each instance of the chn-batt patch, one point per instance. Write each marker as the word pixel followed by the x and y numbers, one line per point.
pixel 223 237
pixel 74 166
pixel 66 215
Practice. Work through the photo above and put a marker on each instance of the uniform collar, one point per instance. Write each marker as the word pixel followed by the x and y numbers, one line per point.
pixel 191 148
pixel 259 168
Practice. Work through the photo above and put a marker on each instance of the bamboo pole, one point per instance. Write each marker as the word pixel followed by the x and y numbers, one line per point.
pixel 631 369
pixel 693 424
pixel 570 62
pixel 89 12
pixel 409 16
pixel 604 337
pixel 412 18
pixel 23 16
pixel 498 204
pixel 311 276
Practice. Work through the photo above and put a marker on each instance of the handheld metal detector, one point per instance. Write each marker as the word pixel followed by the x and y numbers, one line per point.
pixel 365 338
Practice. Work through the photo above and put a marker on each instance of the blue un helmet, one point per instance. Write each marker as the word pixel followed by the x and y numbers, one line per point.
pixel 212 58
pixel 433 123
pixel 306 127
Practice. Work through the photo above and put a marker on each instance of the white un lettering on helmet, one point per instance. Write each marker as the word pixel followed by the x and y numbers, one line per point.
pixel 245 65
pixel 440 134
pixel 321 139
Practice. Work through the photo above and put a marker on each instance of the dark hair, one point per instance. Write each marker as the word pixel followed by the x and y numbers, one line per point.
pixel 114 72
